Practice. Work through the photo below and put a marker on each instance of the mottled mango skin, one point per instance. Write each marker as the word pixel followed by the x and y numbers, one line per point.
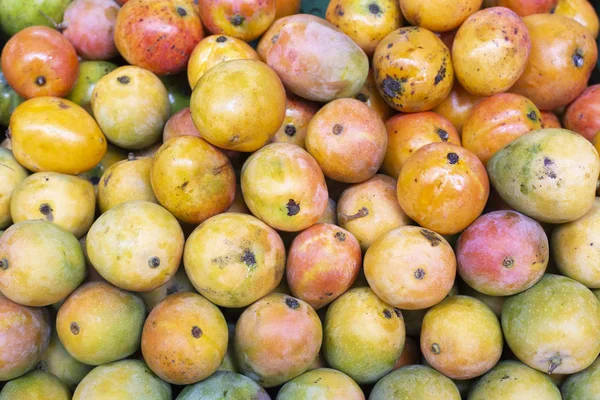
pixel 457 106
pixel 277 338
pixel 226 385
pixel 90 73
pixel 52 134
pixel 100 323
pixel 573 248
pixel 364 336
pixel 415 382
pixel 584 385
pixel 131 105
pixel 369 94
pixel 25 334
pixel 192 179
pixel 177 284
pixel 498 120
pixel 535 321
pixel 234 259
pixel 581 11
pixel 314 59
pixel 365 21
pixel 122 380
pixel 242 19
pixel 323 384
pixel 582 115
pixel 410 267
pixel 184 339
pixel 563 56
pixel 547 174
pixel 42 263
pixel 461 337
pixel 159 35
pixel 57 361
pixel 284 186
pixel 11 175
pixel 502 253
pixel 36 385
pixel 438 15
pixel 65 200
pixel 407 133
pixel 298 114
pixel 413 69
pixel 323 262
pixel 514 380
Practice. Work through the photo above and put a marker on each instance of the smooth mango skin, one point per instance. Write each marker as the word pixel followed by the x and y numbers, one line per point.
pixel 125 181
pixel 242 19
pixel 65 200
pixel 298 114
pixel 413 69
pixel 16 15
pixel 122 380
pixel 524 8
pixel 188 329
pixel 11 175
pixel 136 245
pixel 549 120
pixel 322 384
pixel 547 174
pixel 457 106
pixel 177 284
pixel 36 385
pixel 581 115
pixel 415 382
pixel 25 334
pixel 100 323
pixel 9 100
pixel 461 337
pixel 584 385
pixel 581 11
pixel 57 361
pixel 314 59
pixel 112 156
pixel 363 336
pixel 554 326
pixel 131 105
pixel 224 385
pixel 438 15
pixel 284 186
pixel 42 263
pixel 234 259
pixel 277 338
pixel 573 248
pixel 52 134
pixel 513 380
pixel 192 179
pixel 90 72
pixel 246 106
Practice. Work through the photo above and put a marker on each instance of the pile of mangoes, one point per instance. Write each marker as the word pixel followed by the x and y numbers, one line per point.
pixel 263 199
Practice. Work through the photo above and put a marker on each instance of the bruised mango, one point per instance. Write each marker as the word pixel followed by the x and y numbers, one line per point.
pixel 298 114
pixel 321 383
pixel 57 361
pixel 236 387
pixel 415 382
pixel 11 175
pixel 36 385
pixel 242 19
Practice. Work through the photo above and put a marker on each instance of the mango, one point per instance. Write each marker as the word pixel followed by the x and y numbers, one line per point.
pixel 36 385
pixel 298 114
pixel 9 99
pixel 177 284
pixel 57 361
pixel 226 385
pixel 90 72
pixel 415 382
pixel 580 115
pixel 321 383
pixel 242 19
pixel 584 385
pixel 439 15
pixel 457 106
pixel 11 175
pixel 16 15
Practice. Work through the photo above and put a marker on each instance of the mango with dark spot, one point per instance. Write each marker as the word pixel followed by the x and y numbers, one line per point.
pixel 370 209
pixel 125 379
pixel 581 11
pixel 407 133
pixel 298 113
pixel 11 175
pixel 413 69
pixel 582 384
pixel 314 59
pixel 581 115
pixel 559 190
pixel 227 385
pixel 443 187
pixel 524 8
pixel 502 36
pixel 366 22
pixel 100 323
pixel 534 321
pixel 497 121
pixel 184 339
pixel 234 259
pixel 415 382
pixel 410 268
pixel 242 19
pixel 321 383
pixel 284 186
pixel 57 361
pixel 457 106
pixel 369 94
pixel 277 338
pixel 563 56
pixel 461 337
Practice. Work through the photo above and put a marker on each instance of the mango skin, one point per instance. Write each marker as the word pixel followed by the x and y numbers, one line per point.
pixel 581 11
pixel 43 263
pixel 36 385
pixel 25 332
pixel 584 385
pixel 18 15
pixel 9 100
pixel 439 15
pixel 11 175
pixel 100 323
pixel 177 284
pixel 547 174
pixel 321 383
pixel 514 380
pixel 237 387
pixel 314 59
pixel 369 94
pixel 581 115
pixel 415 382
pixel 112 156
pixel 122 380
pixel 363 336
pixel 298 114
pixel 535 321
pixel 57 361
pixel 457 106
pixel 222 16
pixel 90 72
pixel 550 120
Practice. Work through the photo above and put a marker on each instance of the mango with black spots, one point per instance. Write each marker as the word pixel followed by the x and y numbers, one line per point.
pixel 242 19
pixel 415 382
pixel 298 114
pixel 224 385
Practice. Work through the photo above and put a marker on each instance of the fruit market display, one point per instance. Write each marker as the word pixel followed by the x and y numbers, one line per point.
pixel 299 200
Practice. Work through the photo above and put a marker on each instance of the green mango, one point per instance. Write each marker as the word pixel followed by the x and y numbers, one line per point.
pixel 16 15
pixel 584 385
pixel 224 385
pixel 415 382
pixel 57 361
pixel 322 384
pixel 9 100
pixel 179 91
pixel 36 385
pixel 90 73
